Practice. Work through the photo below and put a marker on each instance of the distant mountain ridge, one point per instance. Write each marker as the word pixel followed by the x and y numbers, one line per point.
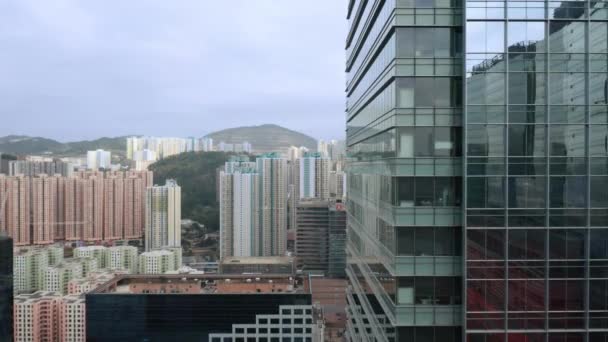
pixel 22 145
pixel 264 138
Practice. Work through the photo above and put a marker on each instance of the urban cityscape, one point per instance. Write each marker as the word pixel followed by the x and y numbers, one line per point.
pixel 450 184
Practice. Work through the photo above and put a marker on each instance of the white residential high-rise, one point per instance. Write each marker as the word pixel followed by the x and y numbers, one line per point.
pixel 272 204
pixel 238 201
pixel 99 159
pixel 163 216
pixel 313 176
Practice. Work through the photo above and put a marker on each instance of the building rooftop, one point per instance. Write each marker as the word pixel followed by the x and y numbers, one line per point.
pixel 205 284
pixel 156 253
pixel 258 260
pixel 36 296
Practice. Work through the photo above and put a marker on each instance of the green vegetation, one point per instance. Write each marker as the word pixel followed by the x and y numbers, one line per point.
pixel 196 173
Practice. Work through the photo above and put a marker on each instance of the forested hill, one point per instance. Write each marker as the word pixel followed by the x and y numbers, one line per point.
pixel 195 172
pixel 265 138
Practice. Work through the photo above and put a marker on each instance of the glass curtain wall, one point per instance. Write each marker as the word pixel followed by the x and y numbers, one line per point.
pixel 536 153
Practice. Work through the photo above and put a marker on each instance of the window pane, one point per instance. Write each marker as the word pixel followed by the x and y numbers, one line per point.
pixel 406 142
pixel 442 42
pixel 443 92
pixel 445 240
pixel 424 191
pixel 424 42
pixel 424 290
pixel 527 192
pixel 567 140
pixel 424 241
pixel 405 241
pixel 526 140
pixel 568 192
pixel 424 141
pixel 599 243
pixel 405 92
pixel 425 92
pixel 405 195
pixel 405 42
pixel 599 191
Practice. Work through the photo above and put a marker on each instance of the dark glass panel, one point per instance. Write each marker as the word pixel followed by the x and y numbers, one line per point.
pixel 405 240
pixel 599 191
pixel 424 241
pixel 599 243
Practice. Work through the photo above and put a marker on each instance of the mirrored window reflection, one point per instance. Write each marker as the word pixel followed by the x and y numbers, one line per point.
pixel 527 88
pixel 526 36
pixel 527 192
pixel 598 38
pixel 485 192
pixel 485 9
pixel 599 191
pixel 598 93
pixel 527 244
pixel 598 140
pixel 526 140
pixel 428 42
pixel 429 141
pixel 526 9
pixel 485 140
pixel 567 36
pixel 567 140
pixel 567 191
pixel 485 37
pixel 428 92
pixel 567 9
pixel 599 244
pixel 486 88
pixel 567 88
pixel 567 243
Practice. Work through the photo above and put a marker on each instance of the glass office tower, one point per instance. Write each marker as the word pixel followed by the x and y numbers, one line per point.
pixel 404 123
pixel 536 171
pixel 506 100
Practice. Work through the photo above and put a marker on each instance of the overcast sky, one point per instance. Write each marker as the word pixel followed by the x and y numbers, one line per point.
pixel 81 69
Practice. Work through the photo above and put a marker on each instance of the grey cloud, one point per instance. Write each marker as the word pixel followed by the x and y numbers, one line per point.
pixel 73 69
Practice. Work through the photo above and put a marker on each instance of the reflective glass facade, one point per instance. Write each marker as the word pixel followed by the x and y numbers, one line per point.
pixel 477 136
pixel 404 135
pixel 536 171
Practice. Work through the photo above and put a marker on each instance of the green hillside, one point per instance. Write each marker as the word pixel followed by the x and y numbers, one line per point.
pixel 195 172
pixel 24 145
pixel 264 138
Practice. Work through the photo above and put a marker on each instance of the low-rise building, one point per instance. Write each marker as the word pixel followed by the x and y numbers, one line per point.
pixel 228 308
pixel 258 265
pixel 157 262
pixel 30 264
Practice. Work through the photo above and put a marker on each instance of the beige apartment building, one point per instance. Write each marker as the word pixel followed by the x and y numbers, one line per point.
pixel 91 206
